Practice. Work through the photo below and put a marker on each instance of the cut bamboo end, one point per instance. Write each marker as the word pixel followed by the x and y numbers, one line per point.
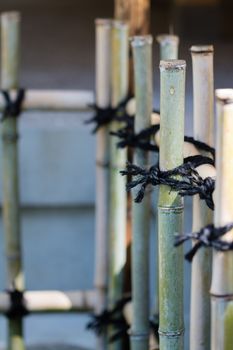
pixel 142 40
pixel 172 65
pixel 167 39
pixel 11 16
pixel 202 49
pixel 106 22
pixel 224 96
pixel 119 24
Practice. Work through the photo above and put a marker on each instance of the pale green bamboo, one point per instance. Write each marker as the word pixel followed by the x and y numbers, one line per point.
pixel 103 100
pixel 170 207
pixel 222 276
pixel 203 90
pixel 169 46
pixel 10 33
pixel 118 197
pixel 142 56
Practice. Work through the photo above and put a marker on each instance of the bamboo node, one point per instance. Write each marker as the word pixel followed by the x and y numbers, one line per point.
pixel 173 334
pixel 172 65
pixel 202 49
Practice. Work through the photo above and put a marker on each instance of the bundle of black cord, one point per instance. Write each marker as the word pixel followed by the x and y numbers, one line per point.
pixel 184 179
pixel 114 318
pixel 104 116
pixel 12 108
pixel 208 236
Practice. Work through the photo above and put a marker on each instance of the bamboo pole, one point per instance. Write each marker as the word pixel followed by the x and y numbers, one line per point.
pixel 10 32
pixel 142 55
pixel 103 100
pixel 170 207
pixel 169 46
pixel 202 59
pixel 222 277
pixel 136 13
pixel 118 202
pixel 53 301
pixel 54 100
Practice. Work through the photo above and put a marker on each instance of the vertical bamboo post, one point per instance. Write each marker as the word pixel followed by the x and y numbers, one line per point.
pixel 103 100
pixel 203 89
pixel 170 207
pixel 222 277
pixel 10 37
pixel 142 55
pixel 168 51
pixel 118 197
pixel 136 13
pixel 169 46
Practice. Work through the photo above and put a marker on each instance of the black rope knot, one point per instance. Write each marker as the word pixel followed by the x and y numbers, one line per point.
pixel 184 179
pixel 13 108
pixel 104 116
pixel 114 317
pixel 18 307
pixel 208 236
pixel 141 140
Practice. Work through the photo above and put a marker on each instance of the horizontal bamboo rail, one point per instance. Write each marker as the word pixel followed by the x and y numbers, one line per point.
pixel 53 301
pixel 54 100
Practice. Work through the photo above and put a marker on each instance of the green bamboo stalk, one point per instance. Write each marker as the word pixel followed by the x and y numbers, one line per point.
pixel 203 89
pixel 170 208
pixel 103 100
pixel 10 37
pixel 168 50
pixel 142 55
pixel 118 197
pixel 222 276
pixel 169 46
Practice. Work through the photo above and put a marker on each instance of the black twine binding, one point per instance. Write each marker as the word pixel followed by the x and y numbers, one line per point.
pixel 114 317
pixel 18 307
pixel 208 236
pixel 190 183
pixel 104 116
pixel 130 139
pixel 12 108
pixel 200 145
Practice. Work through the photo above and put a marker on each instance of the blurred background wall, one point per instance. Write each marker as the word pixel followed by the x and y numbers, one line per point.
pixel 57 151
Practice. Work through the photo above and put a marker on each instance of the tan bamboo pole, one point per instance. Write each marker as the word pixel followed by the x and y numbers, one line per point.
pixel 118 202
pixel 170 207
pixel 136 13
pixel 53 301
pixel 10 54
pixel 169 46
pixel 54 100
pixel 103 100
pixel 203 90
pixel 142 55
pixel 222 277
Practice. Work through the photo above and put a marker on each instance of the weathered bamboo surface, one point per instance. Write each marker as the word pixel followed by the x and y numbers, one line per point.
pixel 54 100
pixel 10 57
pixel 170 206
pixel 203 119
pixel 142 54
pixel 222 276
